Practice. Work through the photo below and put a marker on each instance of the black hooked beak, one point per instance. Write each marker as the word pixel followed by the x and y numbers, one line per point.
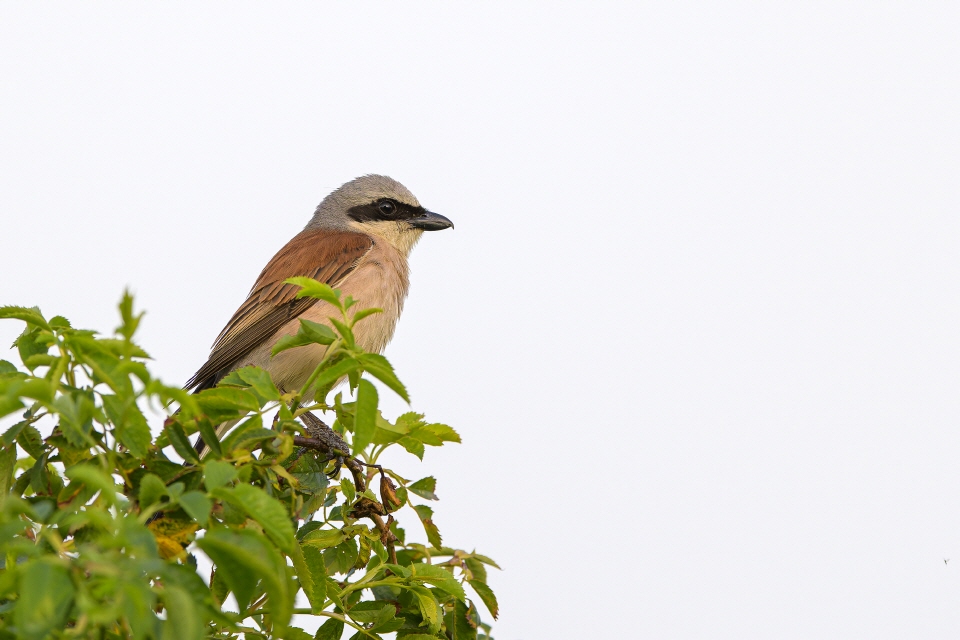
pixel 431 221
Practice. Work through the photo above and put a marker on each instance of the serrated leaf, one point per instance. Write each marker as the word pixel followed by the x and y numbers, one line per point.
pixel 226 403
pixel 181 443
pixel 426 518
pixel 381 369
pixel 412 445
pixel 268 512
pixel 311 288
pixel 425 488
pixel 209 436
pixel 363 313
pixel 316 332
pixel 429 607
pixel 183 621
pixel 438 577
pixel 28 315
pixel 365 416
pixel 29 438
pixel 486 595
pixel 152 490
pixel 341 558
pixel 244 557
pixel 197 505
pixel 45 596
pixel 336 371
pixel 95 478
pixel 8 461
pixel 313 568
pixel 332 629
pixel 459 623
pixel 230 441
pixel 255 378
pixel 218 474
pixel 486 560
pixel 131 426
pixel 476 568
pixel 324 538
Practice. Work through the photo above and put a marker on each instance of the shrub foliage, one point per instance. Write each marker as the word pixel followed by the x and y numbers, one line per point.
pixel 104 519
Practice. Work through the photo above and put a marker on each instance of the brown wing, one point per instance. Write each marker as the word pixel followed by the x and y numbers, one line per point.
pixel 327 256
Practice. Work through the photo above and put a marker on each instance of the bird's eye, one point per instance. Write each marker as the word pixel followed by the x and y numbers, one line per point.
pixel 387 208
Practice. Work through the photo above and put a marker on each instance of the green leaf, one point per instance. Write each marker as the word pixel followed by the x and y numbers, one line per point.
pixel 345 332
pixel 129 322
pixel 459 623
pixel 332 629
pixel 28 315
pixel 218 474
pixel 152 490
pixel 348 490
pixel 7 367
pixel 324 538
pixel 341 558
pixel 197 505
pixel 244 557
pixel 486 594
pixel 412 445
pixel 477 570
pixel 253 423
pixel 365 412
pixel 381 369
pixel 248 440
pixel 29 438
pixel 333 373
pixel 442 432
pixel 308 472
pixel 268 512
pixel 256 378
pixel 294 633
pixel 76 412
pixel 95 478
pixel 363 313
pixel 429 607
pixel 8 461
pixel 426 517
pixel 438 577
pixel 309 333
pixel 131 426
pixel 310 569
pixel 181 443
pixel 316 332
pixel 486 560
pixel 10 435
pixel 45 597
pixel 226 403
pixel 209 436
pixel 425 488
pixel 183 620
pixel 310 288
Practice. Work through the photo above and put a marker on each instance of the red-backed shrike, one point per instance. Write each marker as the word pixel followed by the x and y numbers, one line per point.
pixel 357 241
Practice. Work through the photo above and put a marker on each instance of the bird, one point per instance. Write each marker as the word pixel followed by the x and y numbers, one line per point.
pixel 358 241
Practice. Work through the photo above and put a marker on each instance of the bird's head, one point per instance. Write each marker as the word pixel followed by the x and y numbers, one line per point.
pixel 378 206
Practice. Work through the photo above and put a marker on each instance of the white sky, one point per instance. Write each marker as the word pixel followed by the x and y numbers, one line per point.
pixel 698 323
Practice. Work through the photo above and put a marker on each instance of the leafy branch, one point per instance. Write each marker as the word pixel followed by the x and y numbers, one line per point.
pixel 103 524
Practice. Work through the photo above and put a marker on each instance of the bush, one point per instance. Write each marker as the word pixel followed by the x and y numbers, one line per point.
pixel 102 525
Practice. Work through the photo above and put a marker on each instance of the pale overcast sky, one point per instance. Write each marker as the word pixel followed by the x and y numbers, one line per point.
pixel 699 320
